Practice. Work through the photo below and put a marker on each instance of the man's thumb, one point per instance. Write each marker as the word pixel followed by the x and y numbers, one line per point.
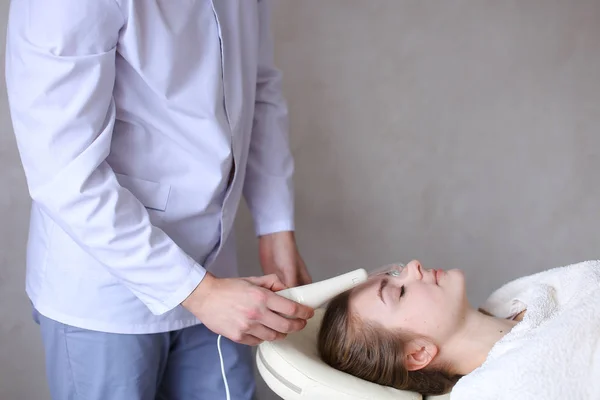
pixel 271 282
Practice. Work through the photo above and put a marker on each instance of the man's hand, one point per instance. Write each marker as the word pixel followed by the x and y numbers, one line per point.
pixel 246 310
pixel 279 255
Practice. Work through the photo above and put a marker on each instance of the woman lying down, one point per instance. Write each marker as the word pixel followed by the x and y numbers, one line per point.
pixel 537 337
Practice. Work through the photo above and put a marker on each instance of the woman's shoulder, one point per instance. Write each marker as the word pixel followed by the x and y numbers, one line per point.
pixel 510 299
pixel 481 384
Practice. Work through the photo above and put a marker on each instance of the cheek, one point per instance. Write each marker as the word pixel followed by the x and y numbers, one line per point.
pixel 433 298
pixel 439 311
pixel 426 312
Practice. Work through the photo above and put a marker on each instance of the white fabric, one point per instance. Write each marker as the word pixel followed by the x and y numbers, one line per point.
pixel 554 353
pixel 129 117
pixel 293 369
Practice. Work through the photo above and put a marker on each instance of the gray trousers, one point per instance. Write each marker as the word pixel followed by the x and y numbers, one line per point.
pixel 179 365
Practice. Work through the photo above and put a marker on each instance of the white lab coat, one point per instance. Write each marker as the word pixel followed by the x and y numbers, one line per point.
pixel 130 116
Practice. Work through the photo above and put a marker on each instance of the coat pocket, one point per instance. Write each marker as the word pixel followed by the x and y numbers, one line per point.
pixel 152 195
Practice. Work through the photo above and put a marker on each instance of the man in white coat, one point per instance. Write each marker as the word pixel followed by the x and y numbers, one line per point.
pixel 141 124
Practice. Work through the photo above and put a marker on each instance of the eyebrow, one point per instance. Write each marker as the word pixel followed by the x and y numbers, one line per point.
pixel 383 284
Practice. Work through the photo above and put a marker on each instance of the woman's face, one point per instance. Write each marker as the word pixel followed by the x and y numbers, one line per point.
pixel 426 303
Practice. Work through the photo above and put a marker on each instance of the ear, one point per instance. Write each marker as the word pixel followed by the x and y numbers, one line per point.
pixel 419 354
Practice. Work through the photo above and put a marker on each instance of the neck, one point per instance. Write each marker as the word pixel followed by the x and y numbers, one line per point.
pixel 469 348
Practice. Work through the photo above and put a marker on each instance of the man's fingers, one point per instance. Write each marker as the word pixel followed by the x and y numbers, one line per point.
pixel 265 333
pixel 281 324
pixel 250 340
pixel 284 306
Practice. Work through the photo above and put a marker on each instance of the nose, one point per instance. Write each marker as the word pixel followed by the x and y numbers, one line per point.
pixel 414 269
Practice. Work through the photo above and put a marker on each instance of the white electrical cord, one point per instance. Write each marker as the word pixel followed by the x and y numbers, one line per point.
pixel 223 368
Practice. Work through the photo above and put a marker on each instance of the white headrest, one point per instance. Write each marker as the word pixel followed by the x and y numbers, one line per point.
pixel 293 369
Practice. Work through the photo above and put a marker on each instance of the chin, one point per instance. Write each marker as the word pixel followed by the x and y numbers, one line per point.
pixel 457 273
pixel 454 275
pixel 456 279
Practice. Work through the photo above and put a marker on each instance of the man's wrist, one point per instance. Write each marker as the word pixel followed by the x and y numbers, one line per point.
pixel 282 233
pixel 201 292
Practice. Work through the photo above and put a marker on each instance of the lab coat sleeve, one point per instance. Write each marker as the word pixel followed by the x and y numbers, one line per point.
pixel 268 188
pixel 60 72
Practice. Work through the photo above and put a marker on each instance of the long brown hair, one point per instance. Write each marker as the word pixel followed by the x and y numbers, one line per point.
pixel 373 353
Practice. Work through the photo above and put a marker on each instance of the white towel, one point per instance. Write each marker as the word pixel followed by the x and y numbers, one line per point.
pixel 554 352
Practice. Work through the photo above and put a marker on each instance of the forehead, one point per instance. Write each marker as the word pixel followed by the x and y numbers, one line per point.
pixel 366 304
pixel 371 284
pixel 367 291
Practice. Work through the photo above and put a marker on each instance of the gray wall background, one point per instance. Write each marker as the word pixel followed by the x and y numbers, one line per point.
pixel 462 133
